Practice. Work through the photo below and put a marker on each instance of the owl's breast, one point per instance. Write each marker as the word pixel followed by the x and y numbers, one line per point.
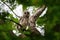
pixel 24 22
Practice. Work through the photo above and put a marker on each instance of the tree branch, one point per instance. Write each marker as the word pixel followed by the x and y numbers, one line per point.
pixel 11 9
pixel 14 22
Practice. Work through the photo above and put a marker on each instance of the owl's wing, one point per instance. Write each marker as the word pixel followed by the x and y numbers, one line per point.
pixel 39 11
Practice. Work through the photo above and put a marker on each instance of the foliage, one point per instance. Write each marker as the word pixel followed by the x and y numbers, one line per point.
pixel 51 20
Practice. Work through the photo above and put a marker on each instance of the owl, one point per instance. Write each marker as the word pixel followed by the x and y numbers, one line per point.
pixel 27 20
pixel 24 20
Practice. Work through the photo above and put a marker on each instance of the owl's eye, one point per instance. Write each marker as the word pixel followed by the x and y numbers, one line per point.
pixel 28 12
pixel 25 12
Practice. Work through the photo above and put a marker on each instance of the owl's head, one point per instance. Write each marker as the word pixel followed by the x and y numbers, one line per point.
pixel 26 14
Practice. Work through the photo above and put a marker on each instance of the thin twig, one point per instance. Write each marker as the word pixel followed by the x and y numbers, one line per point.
pixel 11 9
pixel 14 22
